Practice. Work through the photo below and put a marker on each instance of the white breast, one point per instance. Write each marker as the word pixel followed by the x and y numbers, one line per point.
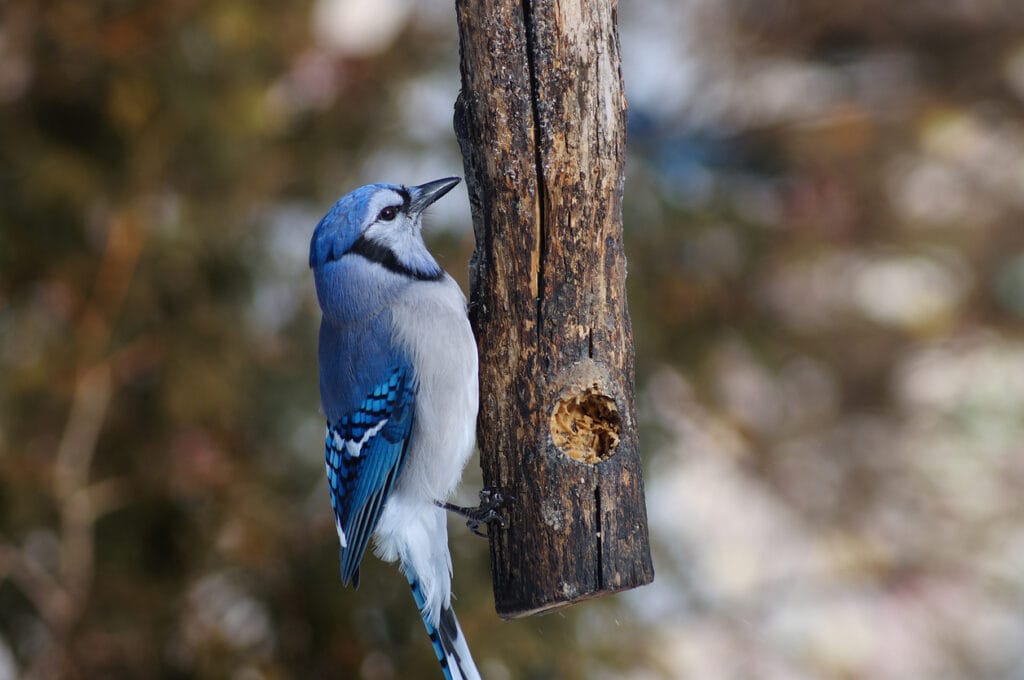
pixel 430 322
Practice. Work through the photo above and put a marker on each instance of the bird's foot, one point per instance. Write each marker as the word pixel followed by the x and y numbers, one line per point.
pixel 491 501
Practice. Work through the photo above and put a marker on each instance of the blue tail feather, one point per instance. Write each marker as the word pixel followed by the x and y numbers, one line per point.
pixel 449 643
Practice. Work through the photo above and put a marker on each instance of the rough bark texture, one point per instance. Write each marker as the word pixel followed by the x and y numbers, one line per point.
pixel 541 122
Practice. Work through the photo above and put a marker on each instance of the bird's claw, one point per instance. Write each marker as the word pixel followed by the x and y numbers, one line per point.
pixel 491 501
pixel 487 513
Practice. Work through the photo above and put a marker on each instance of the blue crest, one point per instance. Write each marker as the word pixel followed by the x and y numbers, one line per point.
pixel 340 227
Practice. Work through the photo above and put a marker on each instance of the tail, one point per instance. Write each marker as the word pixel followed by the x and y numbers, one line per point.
pixel 446 636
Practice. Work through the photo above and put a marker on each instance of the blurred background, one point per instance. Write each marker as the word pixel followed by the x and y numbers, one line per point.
pixel 823 220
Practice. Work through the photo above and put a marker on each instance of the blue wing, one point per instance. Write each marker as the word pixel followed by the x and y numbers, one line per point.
pixel 365 449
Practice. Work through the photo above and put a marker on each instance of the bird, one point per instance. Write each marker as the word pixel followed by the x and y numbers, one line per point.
pixel 399 389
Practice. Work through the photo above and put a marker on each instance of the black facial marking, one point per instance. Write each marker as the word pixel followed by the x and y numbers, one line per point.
pixel 406 198
pixel 385 257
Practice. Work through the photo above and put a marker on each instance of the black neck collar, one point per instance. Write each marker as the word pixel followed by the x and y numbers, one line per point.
pixel 385 257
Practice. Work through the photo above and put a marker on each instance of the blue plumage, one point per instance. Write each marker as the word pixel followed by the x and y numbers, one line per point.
pixel 398 386
pixel 446 637
pixel 364 454
pixel 342 224
pixel 355 357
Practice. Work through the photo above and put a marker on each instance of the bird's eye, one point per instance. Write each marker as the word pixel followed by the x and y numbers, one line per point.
pixel 389 213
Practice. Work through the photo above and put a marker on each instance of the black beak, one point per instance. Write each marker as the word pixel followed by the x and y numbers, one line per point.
pixel 425 194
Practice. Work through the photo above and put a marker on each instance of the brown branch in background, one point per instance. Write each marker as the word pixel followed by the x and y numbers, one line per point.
pixel 61 598
pixel 71 479
pixel 40 587
pixel 113 279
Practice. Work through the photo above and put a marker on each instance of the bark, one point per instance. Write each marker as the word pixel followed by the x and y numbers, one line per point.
pixel 541 122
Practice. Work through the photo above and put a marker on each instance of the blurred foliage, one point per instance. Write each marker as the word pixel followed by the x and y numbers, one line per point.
pixel 823 208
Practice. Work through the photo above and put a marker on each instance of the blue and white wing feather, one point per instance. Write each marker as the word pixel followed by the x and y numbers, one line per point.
pixel 365 450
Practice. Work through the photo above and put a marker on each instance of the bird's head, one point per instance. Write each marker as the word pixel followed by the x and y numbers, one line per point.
pixel 381 223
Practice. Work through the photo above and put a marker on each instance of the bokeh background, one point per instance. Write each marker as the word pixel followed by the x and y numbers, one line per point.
pixel 823 220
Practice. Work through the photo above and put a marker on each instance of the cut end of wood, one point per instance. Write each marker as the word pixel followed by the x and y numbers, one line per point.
pixel 585 425
pixel 569 599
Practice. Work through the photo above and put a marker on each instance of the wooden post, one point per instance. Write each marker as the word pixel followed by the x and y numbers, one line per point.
pixel 541 122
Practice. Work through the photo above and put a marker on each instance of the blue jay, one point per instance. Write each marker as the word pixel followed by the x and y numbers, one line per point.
pixel 398 384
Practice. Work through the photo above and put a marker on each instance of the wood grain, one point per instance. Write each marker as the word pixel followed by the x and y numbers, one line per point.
pixel 541 122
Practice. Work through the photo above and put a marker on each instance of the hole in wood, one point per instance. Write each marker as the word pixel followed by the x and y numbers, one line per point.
pixel 585 425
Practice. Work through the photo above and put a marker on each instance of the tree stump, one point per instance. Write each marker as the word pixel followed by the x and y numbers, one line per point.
pixel 541 123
